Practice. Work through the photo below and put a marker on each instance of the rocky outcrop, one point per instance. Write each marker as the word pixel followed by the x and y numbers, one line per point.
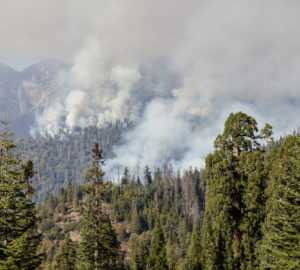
pixel 23 93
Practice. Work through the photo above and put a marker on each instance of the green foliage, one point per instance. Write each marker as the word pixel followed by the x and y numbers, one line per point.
pixel 66 256
pixel 158 254
pixel 21 253
pixel 193 259
pixel 147 175
pixel 87 243
pixel 55 225
pixel 125 177
pixel 128 201
pixel 253 211
pixel 19 239
pixel 141 255
pixel 170 256
pixel 136 226
pixel 280 247
pixel 99 247
pixel 234 212
pixel 66 156
pixel 241 131
pixel 236 176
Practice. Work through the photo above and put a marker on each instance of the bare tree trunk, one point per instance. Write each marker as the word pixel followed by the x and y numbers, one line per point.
pixel 236 150
pixel 236 237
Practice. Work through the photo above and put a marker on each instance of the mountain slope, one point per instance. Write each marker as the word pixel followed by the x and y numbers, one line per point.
pixel 23 93
pixel 65 157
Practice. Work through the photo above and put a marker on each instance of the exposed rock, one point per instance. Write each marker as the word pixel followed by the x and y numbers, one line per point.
pixel 23 93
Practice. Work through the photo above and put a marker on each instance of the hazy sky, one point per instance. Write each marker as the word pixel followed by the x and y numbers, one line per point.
pixel 32 30
pixel 225 55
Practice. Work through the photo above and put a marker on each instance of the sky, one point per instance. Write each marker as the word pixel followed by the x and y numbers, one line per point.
pixel 34 30
pixel 196 61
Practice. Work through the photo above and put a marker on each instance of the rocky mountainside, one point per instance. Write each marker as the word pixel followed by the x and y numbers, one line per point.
pixel 23 93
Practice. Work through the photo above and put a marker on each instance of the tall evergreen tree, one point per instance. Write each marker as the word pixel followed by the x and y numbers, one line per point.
pixel 193 259
pixel 87 241
pixel 158 254
pixel 66 256
pixel 99 247
pixel 234 176
pixel 140 255
pixel 136 226
pixel 19 239
pixel 280 247
pixel 126 177
pixel 170 256
pixel 147 176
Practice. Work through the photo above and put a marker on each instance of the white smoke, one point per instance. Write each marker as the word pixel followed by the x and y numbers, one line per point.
pixel 214 57
pixel 92 92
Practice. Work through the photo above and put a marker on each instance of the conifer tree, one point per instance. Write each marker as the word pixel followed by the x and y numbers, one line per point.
pixel 136 226
pixel 66 256
pixel 19 239
pixel 234 212
pixel 99 247
pixel 147 176
pixel 87 241
pixel 193 259
pixel 170 256
pixel 158 254
pixel 140 255
pixel 70 192
pixel 125 178
pixel 280 247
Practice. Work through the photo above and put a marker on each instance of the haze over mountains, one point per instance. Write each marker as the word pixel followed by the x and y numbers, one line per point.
pixel 176 79
pixel 26 92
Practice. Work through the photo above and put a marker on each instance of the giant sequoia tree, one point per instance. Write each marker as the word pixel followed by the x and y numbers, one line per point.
pixel 280 247
pixel 99 247
pixel 19 238
pixel 235 195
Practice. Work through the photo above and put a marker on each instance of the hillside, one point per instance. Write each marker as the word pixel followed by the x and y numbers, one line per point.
pixel 24 93
pixel 133 208
pixel 66 156
pixel 225 215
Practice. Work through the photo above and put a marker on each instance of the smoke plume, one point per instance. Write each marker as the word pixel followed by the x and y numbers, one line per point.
pixel 177 68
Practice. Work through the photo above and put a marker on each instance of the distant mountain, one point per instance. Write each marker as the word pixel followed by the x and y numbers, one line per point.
pixel 23 93
pixel 6 72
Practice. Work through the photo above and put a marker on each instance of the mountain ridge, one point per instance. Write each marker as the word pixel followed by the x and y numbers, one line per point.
pixel 22 93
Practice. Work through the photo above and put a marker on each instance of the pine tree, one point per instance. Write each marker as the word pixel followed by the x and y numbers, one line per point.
pixel 19 239
pixel 170 256
pixel 99 247
pixel 158 254
pixel 50 202
pixel 70 192
pixel 234 212
pixel 140 255
pixel 147 176
pixel 136 226
pixel 32 238
pixel 280 247
pixel 193 259
pixel 66 256
pixel 125 178
pixel 87 241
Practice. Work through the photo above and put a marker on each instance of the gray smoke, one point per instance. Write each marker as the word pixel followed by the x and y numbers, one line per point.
pixel 214 56
pixel 92 92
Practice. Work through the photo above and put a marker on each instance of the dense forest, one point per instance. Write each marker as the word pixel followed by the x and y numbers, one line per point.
pixel 241 212
pixel 178 201
pixel 66 156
